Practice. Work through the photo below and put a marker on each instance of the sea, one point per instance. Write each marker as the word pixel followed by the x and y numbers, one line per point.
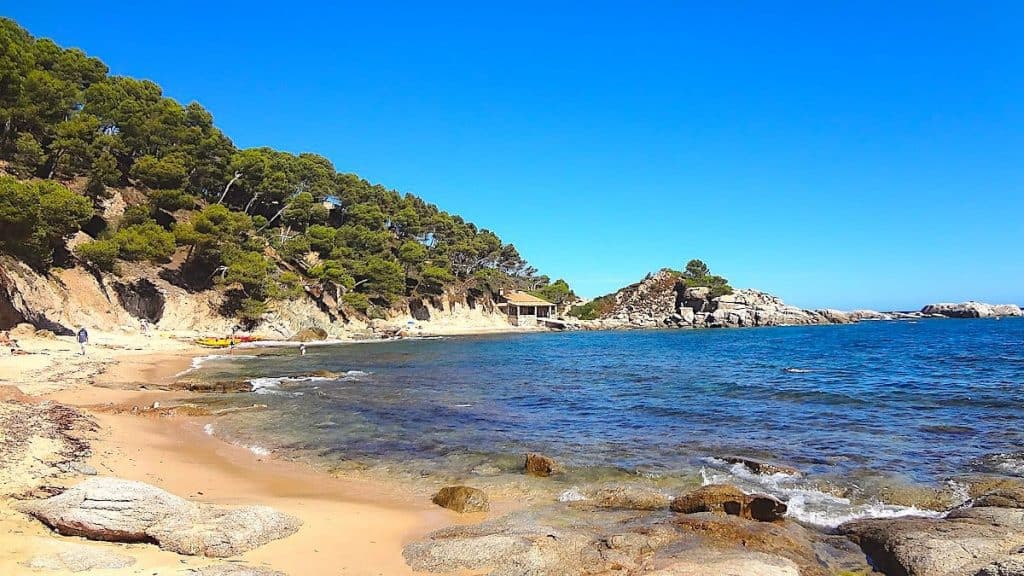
pixel 881 418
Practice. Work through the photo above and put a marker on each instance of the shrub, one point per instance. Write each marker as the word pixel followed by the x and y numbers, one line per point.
pixel 356 300
pixel 594 309
pixel 160 173
pixel 100 253
pixel 171 200
pixel 147 241
pixel 36 217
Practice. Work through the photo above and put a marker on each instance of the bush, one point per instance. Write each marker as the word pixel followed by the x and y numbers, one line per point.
pixel 356 300
pixel 36 217
pixel 252 310
pixel 171 200
pixel 594 309
pixel 100 253
pixel 147 241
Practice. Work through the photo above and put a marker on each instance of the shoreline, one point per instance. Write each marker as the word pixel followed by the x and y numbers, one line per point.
pixel 350 526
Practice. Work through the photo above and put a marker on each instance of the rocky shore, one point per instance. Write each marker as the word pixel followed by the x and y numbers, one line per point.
pixel 662 300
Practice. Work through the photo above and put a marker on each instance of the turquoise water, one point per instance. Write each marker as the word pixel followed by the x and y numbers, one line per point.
pixel 920 401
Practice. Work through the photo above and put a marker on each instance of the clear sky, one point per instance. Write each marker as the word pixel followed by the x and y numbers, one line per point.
pixel 866 156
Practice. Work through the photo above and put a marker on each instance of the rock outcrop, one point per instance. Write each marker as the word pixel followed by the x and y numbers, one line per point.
pixel 462 499
pixel 115 510
pixel 972 310
pixel 570 539
pixel 39 441
pixel 663 300
pixel 968 542
pixel 729 500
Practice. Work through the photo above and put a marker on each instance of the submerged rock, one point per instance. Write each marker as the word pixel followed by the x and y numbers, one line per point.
pixel 1001 498
pixel 730 500
pixel 462 499
pixel 540 465
pixel 118 510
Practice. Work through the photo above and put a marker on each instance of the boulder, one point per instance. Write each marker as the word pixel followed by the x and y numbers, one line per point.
pixel 761 467
pixel 118 510
pixel 965 543
pixel 79 558
pixel 730 500
pixel 309 335
pixel 462 499
pixel 540 465
pixel 629 497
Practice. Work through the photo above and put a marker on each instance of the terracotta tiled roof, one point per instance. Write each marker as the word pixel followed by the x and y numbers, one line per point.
pixel 524 299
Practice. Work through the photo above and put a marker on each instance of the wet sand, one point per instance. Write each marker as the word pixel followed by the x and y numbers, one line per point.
pixel 351 526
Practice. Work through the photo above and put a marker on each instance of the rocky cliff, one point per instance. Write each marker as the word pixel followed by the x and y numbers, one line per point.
pixel 65 299
pixel 663 300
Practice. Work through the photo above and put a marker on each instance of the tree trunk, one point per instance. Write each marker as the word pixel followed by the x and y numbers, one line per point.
pixel 228 187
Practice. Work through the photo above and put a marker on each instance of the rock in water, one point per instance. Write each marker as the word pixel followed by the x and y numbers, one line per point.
pixel 462 499
pixel 118 510
pixel 1001 498
pixel 761 467
pixel 540 465
pixel 971 310
pixel 725 499
pixel 78 558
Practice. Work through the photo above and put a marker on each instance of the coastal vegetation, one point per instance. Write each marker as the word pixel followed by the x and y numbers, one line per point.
pixel 260 221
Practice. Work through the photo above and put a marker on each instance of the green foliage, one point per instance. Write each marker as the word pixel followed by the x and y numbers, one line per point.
pixel 160 173
pixel 146 241
pixel 138 214
pixel 251 310
pixel 36 218
pixel 100 253
pixel 594 309
pixel 697 273
pixel 382 277
pixel 250 269
pixel 63 115
pixel 28 155
pixel 287 287
pixel 171 200
pixel 433 279
pixel 557 292
pixel 356 300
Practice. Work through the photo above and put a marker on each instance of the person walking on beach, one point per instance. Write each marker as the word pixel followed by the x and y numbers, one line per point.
pixel 83 338
pixel 302 349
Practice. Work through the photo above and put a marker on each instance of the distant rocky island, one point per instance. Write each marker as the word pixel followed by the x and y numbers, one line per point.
pixel 665 300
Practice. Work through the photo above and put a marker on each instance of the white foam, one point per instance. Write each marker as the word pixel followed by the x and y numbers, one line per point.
pixel 803 503
pixel 208 429
pixel 572 495
pixel 271 384
pixel 198 361
pixel 259 450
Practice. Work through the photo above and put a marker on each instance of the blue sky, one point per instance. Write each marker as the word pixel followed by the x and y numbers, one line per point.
pixel 866 156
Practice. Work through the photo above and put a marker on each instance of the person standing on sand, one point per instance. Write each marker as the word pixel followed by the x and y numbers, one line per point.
pixel 83 339
pixel 302 349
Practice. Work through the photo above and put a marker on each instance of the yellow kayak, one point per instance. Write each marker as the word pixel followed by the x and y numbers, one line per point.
pixel 215 342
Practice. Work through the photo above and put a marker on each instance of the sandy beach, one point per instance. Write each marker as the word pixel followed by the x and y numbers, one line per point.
pixel 350 526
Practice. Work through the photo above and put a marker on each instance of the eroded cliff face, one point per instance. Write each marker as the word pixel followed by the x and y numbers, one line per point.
pixel 663 300
pixel 66 299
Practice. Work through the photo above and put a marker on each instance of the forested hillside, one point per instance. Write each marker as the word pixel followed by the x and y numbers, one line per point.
pixel 261 223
